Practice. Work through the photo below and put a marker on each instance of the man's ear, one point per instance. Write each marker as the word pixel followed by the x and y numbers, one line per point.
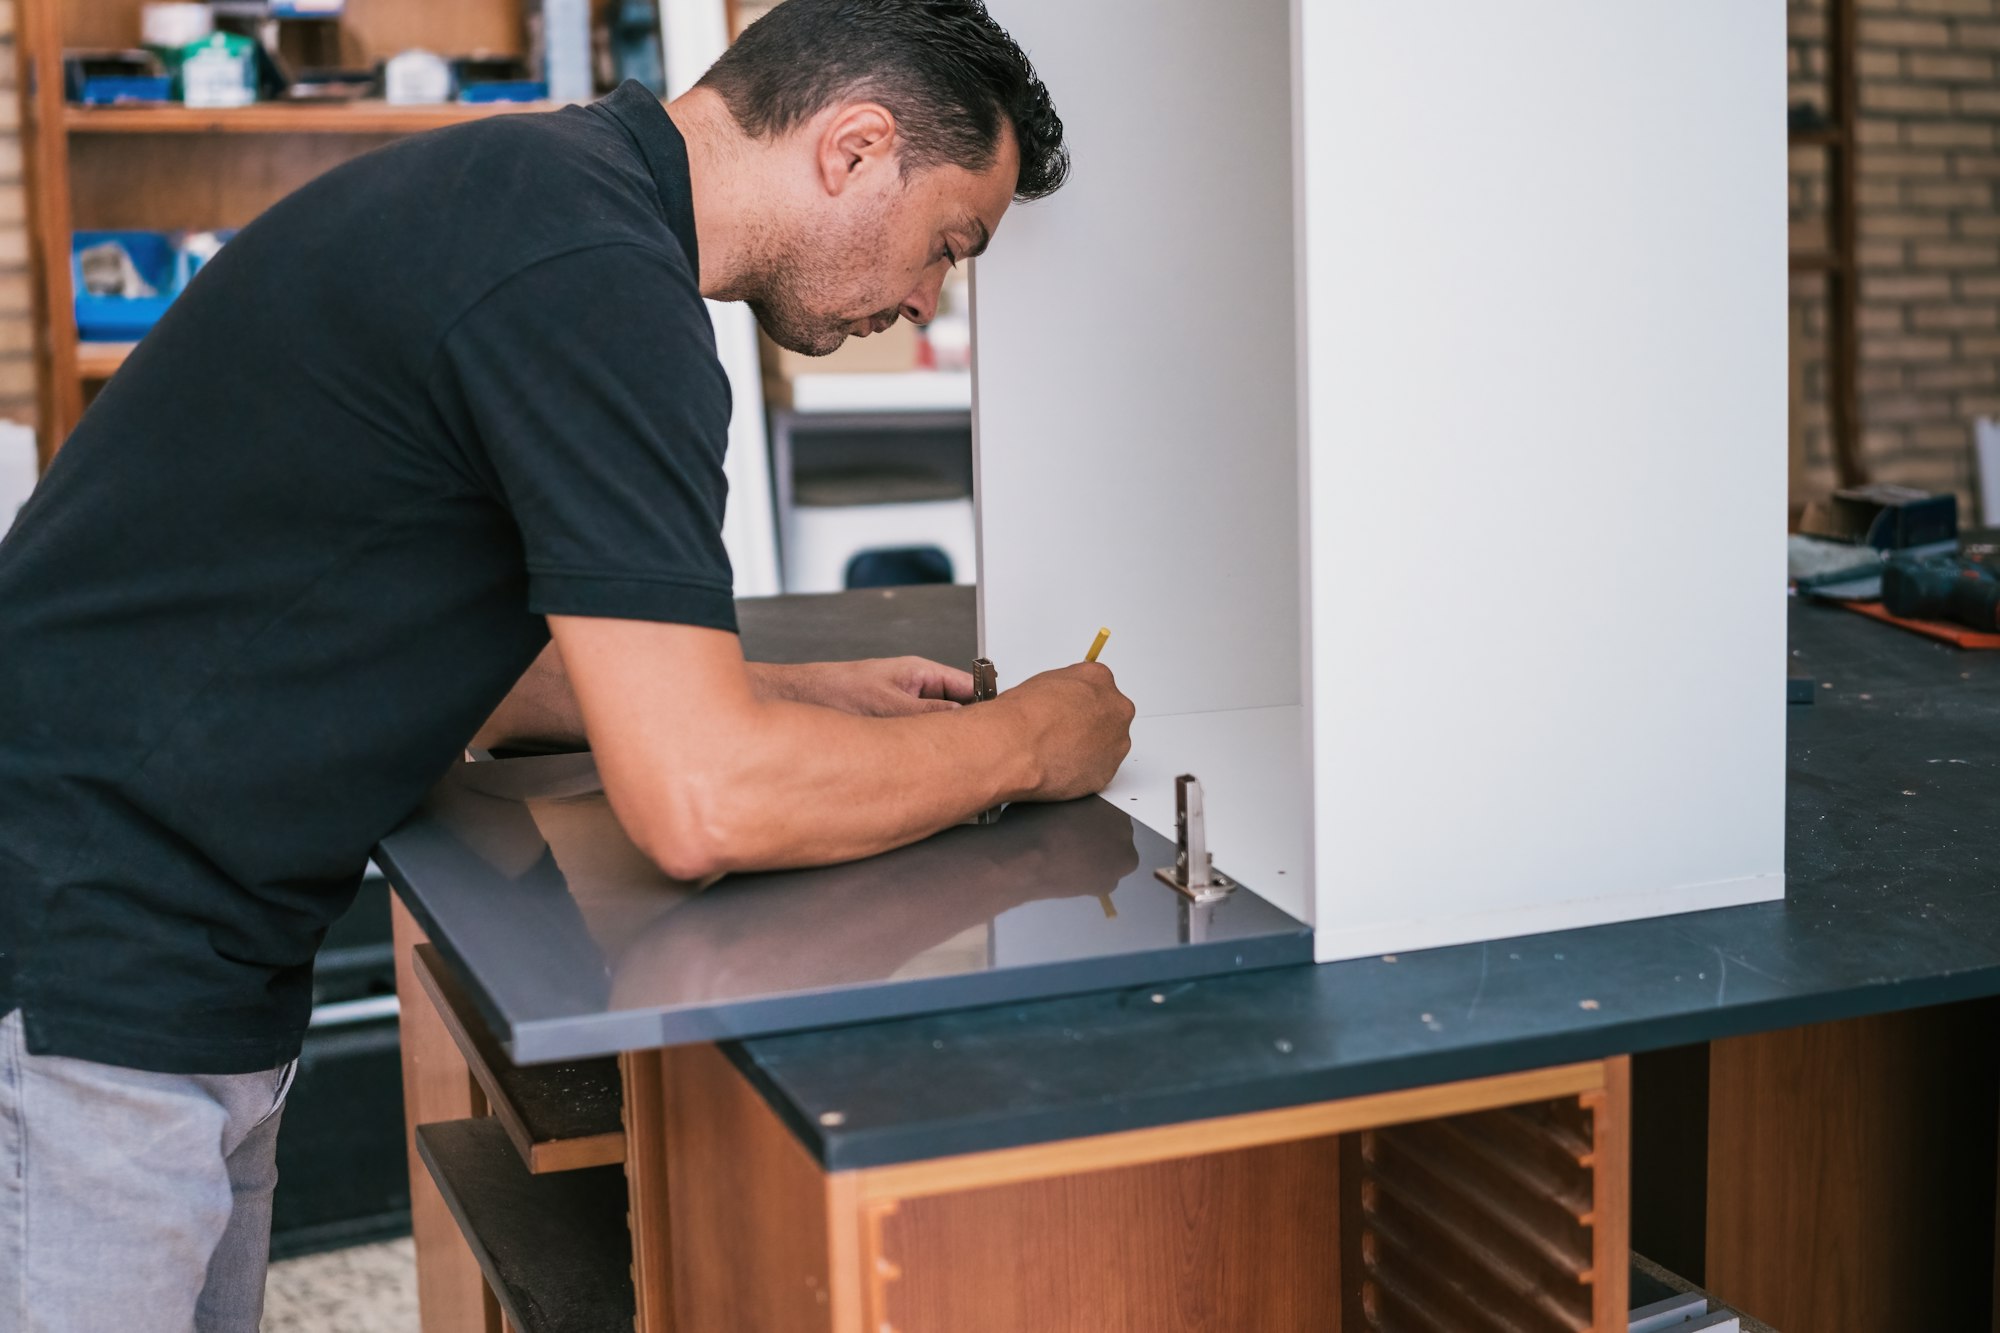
pixel 859 140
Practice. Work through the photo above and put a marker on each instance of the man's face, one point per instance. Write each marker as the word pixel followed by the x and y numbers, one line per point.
pixel 876 245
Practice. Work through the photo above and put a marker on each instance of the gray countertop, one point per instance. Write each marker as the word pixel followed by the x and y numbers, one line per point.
pixel 1894 901
pixel 574 945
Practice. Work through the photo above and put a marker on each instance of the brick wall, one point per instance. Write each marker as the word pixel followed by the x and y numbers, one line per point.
pixel 1928 205
pixel 17 328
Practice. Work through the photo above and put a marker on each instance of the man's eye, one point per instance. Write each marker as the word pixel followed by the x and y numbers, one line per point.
pixel 950 258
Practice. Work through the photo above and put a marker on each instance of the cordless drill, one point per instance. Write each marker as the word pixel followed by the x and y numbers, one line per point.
pixel 1948 587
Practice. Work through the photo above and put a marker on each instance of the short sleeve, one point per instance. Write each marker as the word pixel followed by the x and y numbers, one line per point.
pixel 591 385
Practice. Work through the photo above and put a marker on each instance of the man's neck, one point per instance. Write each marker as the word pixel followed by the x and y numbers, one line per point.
pixel 723 186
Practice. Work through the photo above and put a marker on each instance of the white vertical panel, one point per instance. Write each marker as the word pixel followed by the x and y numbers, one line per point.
pixel 19 470
pixel 1546 290
pixel 693 33
pixel 1135 381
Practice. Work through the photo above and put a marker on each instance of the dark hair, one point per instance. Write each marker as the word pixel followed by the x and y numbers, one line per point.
pixel 943 68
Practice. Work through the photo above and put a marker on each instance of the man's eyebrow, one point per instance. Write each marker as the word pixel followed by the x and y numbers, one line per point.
pixel 979 246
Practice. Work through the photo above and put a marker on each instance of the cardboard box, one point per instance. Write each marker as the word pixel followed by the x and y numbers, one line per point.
pixel 894 349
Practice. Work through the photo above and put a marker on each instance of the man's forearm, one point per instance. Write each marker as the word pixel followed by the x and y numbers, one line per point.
pixel 774 680
pixel 778 784
pixel 707 777
pixel 541 709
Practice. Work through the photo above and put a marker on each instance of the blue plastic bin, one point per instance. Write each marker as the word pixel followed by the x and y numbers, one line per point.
pixel 119 90
pixel 125 318
pixel 508 90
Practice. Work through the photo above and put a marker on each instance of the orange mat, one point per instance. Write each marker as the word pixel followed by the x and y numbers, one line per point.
pixel 1934 629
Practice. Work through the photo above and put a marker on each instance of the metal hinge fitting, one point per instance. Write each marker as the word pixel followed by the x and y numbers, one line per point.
pixel 1193 872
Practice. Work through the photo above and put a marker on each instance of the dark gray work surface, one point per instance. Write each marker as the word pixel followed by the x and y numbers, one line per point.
pixel 572 944
pixel 1894 901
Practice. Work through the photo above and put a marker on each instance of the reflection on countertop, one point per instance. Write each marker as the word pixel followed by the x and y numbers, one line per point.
pixel 535 841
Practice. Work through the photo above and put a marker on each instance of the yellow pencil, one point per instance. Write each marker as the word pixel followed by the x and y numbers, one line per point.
pixel 1098 646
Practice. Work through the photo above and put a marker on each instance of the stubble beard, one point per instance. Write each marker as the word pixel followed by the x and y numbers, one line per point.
pixel 801 284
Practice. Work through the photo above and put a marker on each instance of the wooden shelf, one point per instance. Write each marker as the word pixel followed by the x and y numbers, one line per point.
pixel 1829 137
pixel 556 1251
pixel 365 117
pixel 1815 261
pixel 171 167
pixel 97 361
pixel 559 1117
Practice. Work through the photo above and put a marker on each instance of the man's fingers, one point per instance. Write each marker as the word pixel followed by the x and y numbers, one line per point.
pixel 935 680
pixel 894 703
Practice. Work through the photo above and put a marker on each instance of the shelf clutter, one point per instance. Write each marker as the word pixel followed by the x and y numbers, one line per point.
pixel 153 126
pixel 356 117
pixel 230 54
pixel 1665 1302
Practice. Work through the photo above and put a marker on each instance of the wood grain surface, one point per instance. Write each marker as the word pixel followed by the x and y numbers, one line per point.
pixel 1851 1172
pixel 1235 1240
pixel 748 1206
pixel 1611 1202
pixel 1223 1133
pixel 648 1215
pixel 451 1293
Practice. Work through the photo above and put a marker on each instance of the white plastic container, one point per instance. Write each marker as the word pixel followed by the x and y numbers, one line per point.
pixel 17 470
pixel 169 27
pixel 416 78
pixel 566 48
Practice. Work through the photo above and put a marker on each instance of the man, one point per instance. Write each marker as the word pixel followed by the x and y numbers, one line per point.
pixel 446 404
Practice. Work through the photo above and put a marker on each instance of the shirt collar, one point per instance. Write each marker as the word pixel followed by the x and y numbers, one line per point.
pixel 635 107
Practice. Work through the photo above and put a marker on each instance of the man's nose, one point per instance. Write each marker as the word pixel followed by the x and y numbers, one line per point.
pixel 920 306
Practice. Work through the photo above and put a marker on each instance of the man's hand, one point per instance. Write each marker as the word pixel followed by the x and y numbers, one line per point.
pixel 881 687
pixel 1077 723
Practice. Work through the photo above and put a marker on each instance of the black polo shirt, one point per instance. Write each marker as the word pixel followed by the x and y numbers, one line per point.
pixel 303 544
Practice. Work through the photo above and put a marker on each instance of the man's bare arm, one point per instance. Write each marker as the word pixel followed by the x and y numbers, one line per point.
pixel 541 710
pixel 708 776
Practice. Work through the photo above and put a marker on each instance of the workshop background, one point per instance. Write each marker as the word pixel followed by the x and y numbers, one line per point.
pixel 1913 273
pixel 1928 242
pixel 1927 156
pixel 17 328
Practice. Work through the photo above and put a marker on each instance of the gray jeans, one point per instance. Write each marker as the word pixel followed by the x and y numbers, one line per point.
pixel 130 1199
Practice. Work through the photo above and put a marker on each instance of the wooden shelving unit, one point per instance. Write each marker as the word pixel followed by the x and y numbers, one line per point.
pixel 96 361
pixel 175 168
pixel 365 117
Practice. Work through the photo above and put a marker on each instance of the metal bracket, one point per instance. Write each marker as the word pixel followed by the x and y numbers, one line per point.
pixel 1193 872
pixel 985 688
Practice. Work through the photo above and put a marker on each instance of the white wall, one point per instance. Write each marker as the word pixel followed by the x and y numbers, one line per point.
pixel 1135 397
pixel 1546 289
pixel 18 470
pixel 694 33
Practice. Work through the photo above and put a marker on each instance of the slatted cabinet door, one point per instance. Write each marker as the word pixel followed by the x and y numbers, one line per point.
pixel 1502 1221
pixel 1315 1219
